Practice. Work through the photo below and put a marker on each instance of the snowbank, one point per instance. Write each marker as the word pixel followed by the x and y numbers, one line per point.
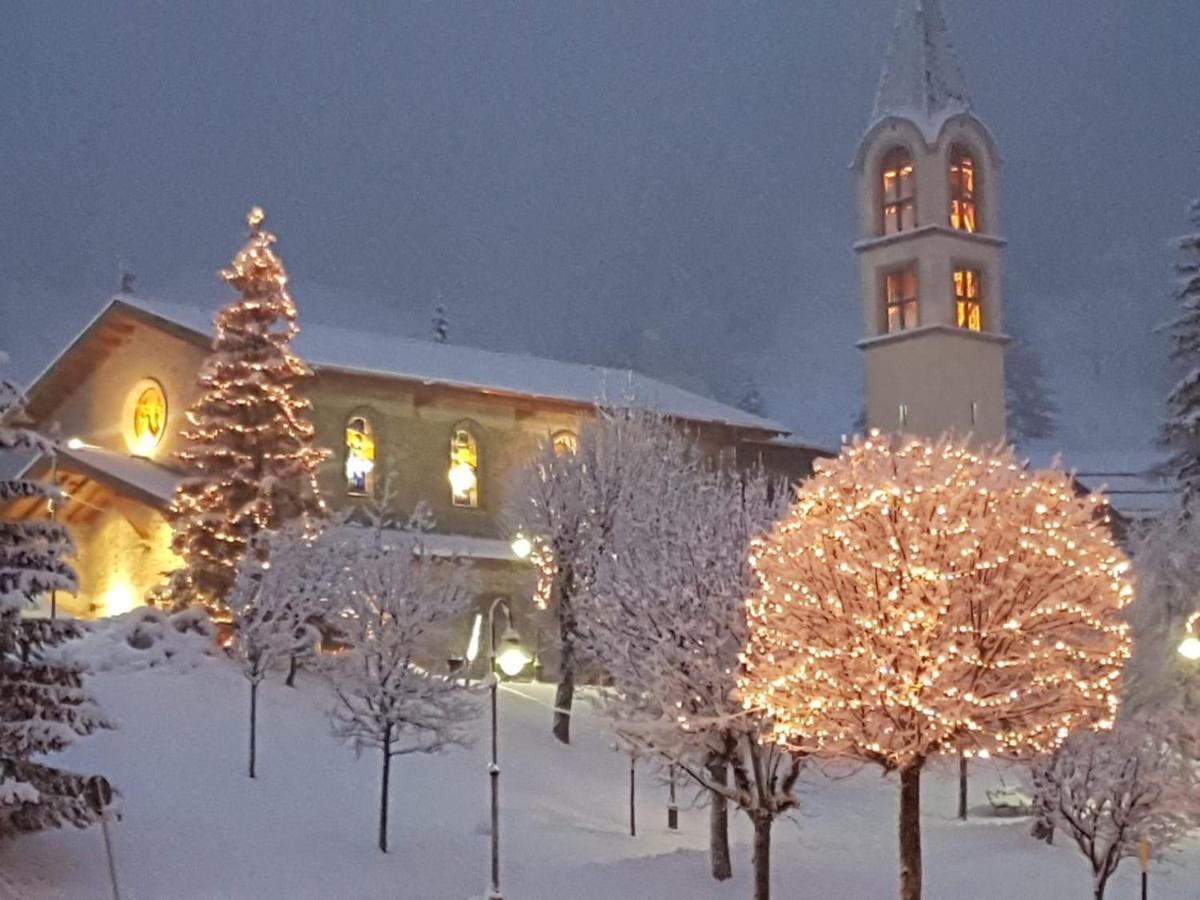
pixel 144 638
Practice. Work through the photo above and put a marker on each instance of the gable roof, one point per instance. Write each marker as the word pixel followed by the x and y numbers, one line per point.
pixel 922 80
pixel 326 348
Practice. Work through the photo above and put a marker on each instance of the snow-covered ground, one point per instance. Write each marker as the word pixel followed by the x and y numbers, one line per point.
pixel 195 826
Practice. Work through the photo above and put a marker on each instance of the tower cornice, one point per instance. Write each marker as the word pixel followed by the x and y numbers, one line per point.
pixel 926 231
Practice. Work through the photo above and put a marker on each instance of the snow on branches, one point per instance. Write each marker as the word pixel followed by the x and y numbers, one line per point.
pixel 43 703
pixel 1108 790
pixel 395 605
pixel 249 448
pixel 1181 431
pixel 924 597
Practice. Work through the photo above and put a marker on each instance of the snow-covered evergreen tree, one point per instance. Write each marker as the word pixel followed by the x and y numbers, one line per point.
pixel 665 618
pixel 249 449
pixel 923 598
pixel 1181 431
pixel 1031 408
pixel 1108 790
pixel 275 605
pixel 43 703
pixel 396 604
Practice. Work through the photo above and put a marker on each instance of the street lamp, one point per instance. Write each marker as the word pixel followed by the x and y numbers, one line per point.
pixel 510 660
pixel 521 546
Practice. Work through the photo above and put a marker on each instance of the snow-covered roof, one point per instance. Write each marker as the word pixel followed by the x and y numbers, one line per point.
pixel 372 353
pixel 922 80
pixel 1130 478
pixel 152 480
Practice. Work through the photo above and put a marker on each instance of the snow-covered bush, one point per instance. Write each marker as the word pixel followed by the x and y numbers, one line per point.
pixel 144 638
pixel 1107 790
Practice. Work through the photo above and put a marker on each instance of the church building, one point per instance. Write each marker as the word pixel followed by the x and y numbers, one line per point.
pixel 449 425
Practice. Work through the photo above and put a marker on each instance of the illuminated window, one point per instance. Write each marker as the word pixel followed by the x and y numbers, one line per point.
pixel 360 456
pixel 900 299
pixel 967 301
pixel 464 468
pixel 146 412
pixel 963 204
pixel 899 192
pixel 566 443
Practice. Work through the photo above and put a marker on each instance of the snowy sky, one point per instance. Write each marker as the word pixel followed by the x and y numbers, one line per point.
pixel 656 183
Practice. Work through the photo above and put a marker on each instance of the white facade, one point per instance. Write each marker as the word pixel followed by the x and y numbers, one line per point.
pixel 929 249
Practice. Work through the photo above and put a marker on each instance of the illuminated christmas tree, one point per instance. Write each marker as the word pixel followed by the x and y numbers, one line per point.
pixel 926 598
pixel 250 450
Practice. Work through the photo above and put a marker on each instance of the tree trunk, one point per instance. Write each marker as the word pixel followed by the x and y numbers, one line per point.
pixel 762 856
pixel 718 825
pixel 962 787
pixel 383 789
pixel 910 832
pixel 632 796
pixel 290 681
pixel 253 722
pixel 565 693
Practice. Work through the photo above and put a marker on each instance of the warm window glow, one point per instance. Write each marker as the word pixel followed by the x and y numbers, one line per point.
pixel 899 192
pixel 968 305
pixel 360 456
pixel 900 299
pixel 963 204
pixel 149 419
pixel 464 469
pixel 566 443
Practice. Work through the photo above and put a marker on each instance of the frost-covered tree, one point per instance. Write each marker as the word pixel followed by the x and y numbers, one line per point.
pixel 665 616
pixel 567 501
pixel 274 606
pixel 1181 431
pixel 249 451
pixel 1107 790
pixel 1166 556
pixel 44 705
pixel 396 603
pixel 1031 408
pixel 923 598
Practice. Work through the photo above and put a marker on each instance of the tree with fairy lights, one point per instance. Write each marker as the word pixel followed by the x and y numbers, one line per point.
pixel 249 448
pixel 923 598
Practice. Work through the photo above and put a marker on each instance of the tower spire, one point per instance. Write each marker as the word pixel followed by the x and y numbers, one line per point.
pixel 922 80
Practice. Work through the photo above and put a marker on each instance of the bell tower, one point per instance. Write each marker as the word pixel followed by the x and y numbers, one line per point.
pixel 929 249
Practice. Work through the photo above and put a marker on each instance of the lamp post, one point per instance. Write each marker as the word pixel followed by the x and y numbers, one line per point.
pixel 510 661
pixel 1189 647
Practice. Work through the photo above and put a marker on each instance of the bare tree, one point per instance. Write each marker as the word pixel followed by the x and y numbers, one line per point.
pixel 1108 790
pixel 396 603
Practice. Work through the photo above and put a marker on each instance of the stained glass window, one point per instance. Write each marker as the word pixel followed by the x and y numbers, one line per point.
pixel 464 468
pixel 360 456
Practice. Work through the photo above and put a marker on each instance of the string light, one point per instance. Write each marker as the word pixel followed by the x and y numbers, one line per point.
pixel 928 597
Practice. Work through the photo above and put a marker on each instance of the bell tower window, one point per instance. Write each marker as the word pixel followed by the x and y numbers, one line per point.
pixel 899 192
pixel 900 299
pixel 967 300
pixel 964 209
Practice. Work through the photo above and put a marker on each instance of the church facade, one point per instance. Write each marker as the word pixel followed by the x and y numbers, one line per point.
pixel 448 426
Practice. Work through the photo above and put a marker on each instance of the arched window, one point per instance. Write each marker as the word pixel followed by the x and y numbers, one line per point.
pixel 964 208
pixel 899 192
pixel 360 456
pixel 464 468
pixel 968 300
pixel 566 443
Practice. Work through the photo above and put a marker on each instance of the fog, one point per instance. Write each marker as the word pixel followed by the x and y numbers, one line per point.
pixel 661 184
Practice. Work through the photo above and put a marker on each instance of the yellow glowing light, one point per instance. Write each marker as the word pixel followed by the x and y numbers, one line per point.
pixel 75 444
pixel 119 598
pixel 462 479
pixel 1189 648
pixel 147 418
pixel 512 659
pixel 522 547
